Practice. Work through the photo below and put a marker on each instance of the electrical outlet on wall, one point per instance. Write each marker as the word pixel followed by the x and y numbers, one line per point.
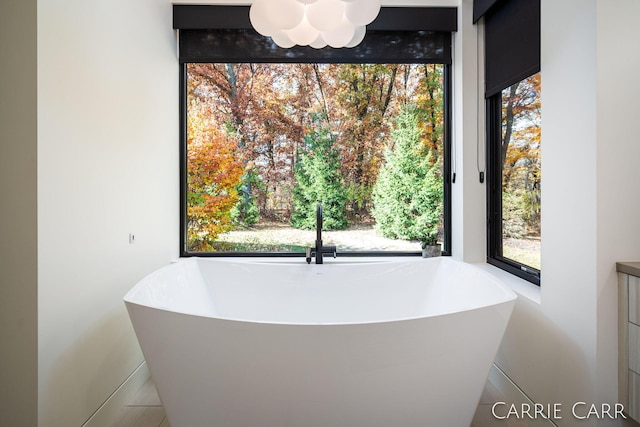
pixel 132 238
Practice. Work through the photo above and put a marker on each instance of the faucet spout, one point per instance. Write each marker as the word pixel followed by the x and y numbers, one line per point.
pixel 319 250
pixel 319 259
pixel 319 223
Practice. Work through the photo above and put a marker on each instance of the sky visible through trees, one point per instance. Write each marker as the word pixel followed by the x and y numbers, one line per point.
pixel 267 142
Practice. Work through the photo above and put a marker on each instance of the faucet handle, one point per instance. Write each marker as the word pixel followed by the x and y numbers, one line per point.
pixel 330 250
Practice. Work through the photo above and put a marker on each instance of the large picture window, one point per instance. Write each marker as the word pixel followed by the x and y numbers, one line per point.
pixel 270 133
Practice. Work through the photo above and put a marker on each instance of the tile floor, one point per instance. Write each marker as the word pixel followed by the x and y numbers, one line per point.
pixel 145 410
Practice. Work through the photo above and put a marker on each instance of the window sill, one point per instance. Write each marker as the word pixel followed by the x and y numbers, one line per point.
pixel 520 286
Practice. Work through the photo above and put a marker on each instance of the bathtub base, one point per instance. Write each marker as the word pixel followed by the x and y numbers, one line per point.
pixel 416 372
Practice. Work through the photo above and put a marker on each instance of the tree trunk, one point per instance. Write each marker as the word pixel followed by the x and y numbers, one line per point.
pixel 507 125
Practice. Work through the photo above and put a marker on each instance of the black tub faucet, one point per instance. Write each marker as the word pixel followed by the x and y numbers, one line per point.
pixel 319 249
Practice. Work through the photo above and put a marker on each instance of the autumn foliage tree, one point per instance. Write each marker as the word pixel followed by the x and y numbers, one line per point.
pixel 520 150
pixel 430 106
pixel 364 95
pixel 214 172
pixel 259 106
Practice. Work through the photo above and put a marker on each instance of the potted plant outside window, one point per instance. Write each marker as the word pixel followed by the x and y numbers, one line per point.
pixel 430 246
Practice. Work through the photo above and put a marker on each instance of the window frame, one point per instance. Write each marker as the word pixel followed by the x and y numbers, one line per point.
pixel 390 21
pixel 184 252
pixel 512 53
pixel 494 196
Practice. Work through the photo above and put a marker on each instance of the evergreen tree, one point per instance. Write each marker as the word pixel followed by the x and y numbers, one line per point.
pixel 408 195
pixel 245 212
pixel 318 180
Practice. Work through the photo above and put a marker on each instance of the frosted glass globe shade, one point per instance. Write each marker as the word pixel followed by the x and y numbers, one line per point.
pixel 325 15
pixel 303 33
pixel 340 36
pixel 362 12
pixel 317 23
pixel 318 43
pixel 284 14
pixel 258 17
pixel 282 39
pixel 358 35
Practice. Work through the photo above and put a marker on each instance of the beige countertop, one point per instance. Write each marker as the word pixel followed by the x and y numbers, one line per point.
pixel 632 268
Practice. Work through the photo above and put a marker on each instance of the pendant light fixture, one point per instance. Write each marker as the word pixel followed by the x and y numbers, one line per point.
pixel 315 23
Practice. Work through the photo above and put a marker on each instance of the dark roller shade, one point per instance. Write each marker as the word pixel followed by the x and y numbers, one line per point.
pixel 399 34
pixel 206 17
pixel 512 44
pixel 202 17
pixel 417 47
pixel 481 7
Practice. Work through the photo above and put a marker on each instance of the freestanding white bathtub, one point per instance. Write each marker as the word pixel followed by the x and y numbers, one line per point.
pixel 386 342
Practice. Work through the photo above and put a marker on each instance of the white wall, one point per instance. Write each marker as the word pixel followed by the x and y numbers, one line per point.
pixel 618 166
pixel 468 194
pixel 18 226
pixel 107 166
pixel 562 346
pixel 558 335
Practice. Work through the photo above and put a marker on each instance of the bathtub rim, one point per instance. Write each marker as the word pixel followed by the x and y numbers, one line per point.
pixel 508 296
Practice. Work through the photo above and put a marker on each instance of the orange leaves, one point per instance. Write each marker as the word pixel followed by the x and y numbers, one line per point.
pixel 521 161
pixel 521 130
pixel 214 171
